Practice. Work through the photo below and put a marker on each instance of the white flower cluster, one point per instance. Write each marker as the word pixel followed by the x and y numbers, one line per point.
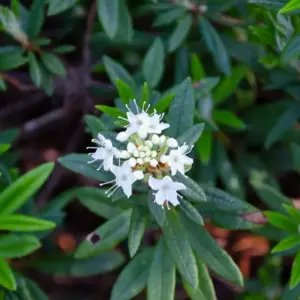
pixel 149 156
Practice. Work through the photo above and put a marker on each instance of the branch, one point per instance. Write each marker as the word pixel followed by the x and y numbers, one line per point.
pixel 17 84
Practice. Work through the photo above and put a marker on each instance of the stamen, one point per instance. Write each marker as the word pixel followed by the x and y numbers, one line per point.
pixel 90 162
pixel 128 108
pixel 98 142
pixel 105 183
pixel 100 166
pixel 92 147
pixel 111 188
pixel 136 106
pixel 113 191
pixel 122 118
pixel 143 105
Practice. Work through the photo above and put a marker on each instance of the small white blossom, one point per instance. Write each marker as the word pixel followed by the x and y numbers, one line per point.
pixel 155 139
pixel 167 190
pixel 155 126
pixel 125 154
pixel 132 162
pixel 164 159
pixel 149 144
pixel 172 143
pixel 105 152
pixel 178 159
pixel 124 178
pixel 162 140
pixel 153 163
pixel 140 161
pixel 153 154
pixel 131 147
pixel 122 136
pixel 136 153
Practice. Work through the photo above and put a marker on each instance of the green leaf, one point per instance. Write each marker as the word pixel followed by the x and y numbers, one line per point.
pixel 35 18
pixel 62 49
pixel 287 243
pixel 181 112
pixel 78 163
pixel 225 201
pixel 125 92
pixel 193 190
pixel 269 4
pixel 53 64
pixel 168 17
pixel 180 249
pixel 95 125
pixel 282 221
pixel 12 60
pixel 8 136
pixel 125 30
pixel 268 194
pixel 153 65
pixel 110 233
pixel 157 212
pixel 111 111
pixel 228 84
pixel 215 45
pixel 290 6
pixel 209 251
pixel 97 202
pixel 109 15
pixel 285 122
pixel 24 223
pixel 191 212
pixel 67 265
pixel 116 71
pixel 29 290
pixel 145 93
pixel 14 196
pixel 295 151
pixel 295 276
pixel 291 50
pixel 192 135
pixel 13 246
pixel 136 230
pixel 34 69
pixel 205 289
pixel 58 6
pixel 163 103
pixel 162 277
pixel 197 69
pixel 7 279
pixel 9 23
pixel 133 277
pixel 3 86
pixel 180 33
pixel 204 146
pixel 293 212
pixel 228 118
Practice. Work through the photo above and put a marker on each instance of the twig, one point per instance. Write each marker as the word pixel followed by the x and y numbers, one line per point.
pixel 16 83
pixel 59 170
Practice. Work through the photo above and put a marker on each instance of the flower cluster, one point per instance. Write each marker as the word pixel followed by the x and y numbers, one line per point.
pixel 149 156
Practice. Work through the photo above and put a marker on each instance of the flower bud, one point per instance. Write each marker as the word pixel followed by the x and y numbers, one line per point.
pixel 138 175
pixel 164 159
pixel 172 143
pixel 131 147
pixel 155 139
pixel 142 134
pixel 125 154
pixel 162 139
pixel 153 154
pixel 153 163
pixel 140 161
pixel 149 144
pixel 122 136
pixel 148 153
pixel 142 154
pixel 132 162
pixel 147 159
pixel 136 153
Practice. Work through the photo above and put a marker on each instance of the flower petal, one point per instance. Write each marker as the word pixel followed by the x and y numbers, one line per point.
pixel 154 183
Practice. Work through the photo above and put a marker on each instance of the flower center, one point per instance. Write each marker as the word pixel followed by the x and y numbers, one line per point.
pixel 124 177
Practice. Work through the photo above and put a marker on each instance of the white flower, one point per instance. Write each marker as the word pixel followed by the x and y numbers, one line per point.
pixel 153 163
pixel 131 147
pixel 155 126
pixel 172 143
pixel 124 178
pixel 142 123
pixel 167 190
pixel 155 139
pixel 106 152
pixel 177 159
